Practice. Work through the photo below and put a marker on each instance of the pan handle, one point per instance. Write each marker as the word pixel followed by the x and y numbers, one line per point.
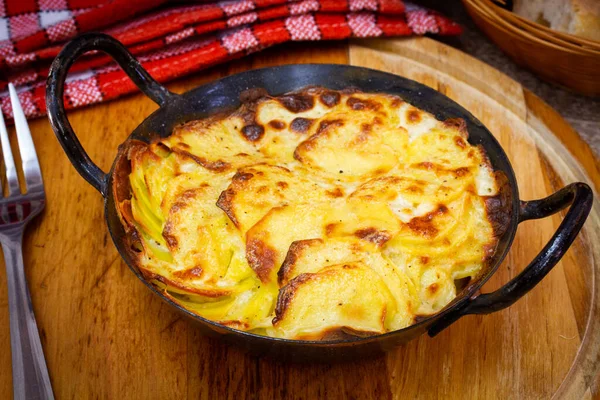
pixel 55 86
pixel 580 197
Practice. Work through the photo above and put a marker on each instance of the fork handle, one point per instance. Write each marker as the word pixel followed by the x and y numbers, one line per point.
pixel 30 374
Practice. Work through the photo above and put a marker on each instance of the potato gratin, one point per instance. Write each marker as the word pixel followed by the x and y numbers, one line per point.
pixel 318 214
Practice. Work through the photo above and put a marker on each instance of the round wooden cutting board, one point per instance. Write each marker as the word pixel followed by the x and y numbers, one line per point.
pixel 106 336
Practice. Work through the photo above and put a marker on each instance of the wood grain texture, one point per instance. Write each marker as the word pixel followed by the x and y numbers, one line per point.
pixel 106 336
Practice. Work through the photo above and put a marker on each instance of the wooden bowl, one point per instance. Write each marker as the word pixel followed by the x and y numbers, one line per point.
pixel 556 57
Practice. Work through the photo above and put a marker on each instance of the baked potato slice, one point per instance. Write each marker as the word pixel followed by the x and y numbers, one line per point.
pixel 269 240
pixel 256 189
pixel 347 297
pixel 352 145
pixel 311 256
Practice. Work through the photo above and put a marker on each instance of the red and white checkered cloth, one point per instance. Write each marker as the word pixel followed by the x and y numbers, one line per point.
pixel 172 41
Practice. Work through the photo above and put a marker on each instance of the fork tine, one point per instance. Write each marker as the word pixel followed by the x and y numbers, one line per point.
pixel 31 166
pixel 9 162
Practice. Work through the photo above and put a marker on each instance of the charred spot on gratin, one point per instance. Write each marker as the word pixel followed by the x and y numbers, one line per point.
pixel 301 125
pixel 318 214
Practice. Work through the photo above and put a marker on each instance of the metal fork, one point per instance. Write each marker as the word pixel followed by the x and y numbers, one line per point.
pixel 30 374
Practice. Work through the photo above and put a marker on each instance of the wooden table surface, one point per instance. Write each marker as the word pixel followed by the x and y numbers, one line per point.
pixel 105 335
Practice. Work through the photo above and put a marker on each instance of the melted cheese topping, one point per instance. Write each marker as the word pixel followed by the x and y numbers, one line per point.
pixel 313 214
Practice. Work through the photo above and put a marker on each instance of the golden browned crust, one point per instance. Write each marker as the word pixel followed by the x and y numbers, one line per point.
pixel 327 124
pixel 286 294
pixel 460 142
pixel 363 104
pixel 426 165
pixel 413 115
pixel 226 199
pixel 458 124
pixel 415 189
pixel 297 102
pixel 217 166
pixel 335 193
pixel 277 124
pixel 225 203
pixel 168 231
pixel 460 172
pixel 373 235
pixel 253 132
pixel 191 273
pixel 301 125
pixel 239 325
pixel 330 228
pixel 289 263
pixel 309 143
pixel 396 102
pixel 261 258
pixel 330 98
pixel 240 183
pixel 424 225
pixel 457 172
pixel 169 235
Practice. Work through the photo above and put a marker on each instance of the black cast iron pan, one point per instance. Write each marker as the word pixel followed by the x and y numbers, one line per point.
pixel 224 94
